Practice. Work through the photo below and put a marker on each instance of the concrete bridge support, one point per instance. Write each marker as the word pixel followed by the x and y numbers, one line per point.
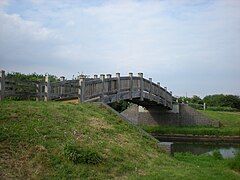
pixel 180 115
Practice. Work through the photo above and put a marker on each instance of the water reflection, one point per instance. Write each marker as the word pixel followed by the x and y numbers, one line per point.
pixel 227 150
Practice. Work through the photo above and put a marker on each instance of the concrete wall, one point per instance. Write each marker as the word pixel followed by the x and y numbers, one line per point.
pixel 132 113
pixel 181 115
pixel 190 116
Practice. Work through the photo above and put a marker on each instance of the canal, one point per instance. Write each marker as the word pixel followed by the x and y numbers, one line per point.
pixel 227 150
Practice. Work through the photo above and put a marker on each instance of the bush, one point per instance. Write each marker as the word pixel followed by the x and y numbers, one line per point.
pixel 82 155
pixel 222 109
pixel 213 108
pixel 217 155
pixel 196 106
pixel 221 100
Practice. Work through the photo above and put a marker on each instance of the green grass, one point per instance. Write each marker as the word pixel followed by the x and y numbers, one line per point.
pixel 193 130
pixel 227 119
pixel 63 140
pixel 230 126
pixel 210 163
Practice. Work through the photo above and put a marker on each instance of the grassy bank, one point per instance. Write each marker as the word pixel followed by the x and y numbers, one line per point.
pixel 227 119
pixel 55 139
pixel 230 126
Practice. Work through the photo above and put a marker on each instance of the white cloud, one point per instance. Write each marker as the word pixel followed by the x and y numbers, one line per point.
pixel 3 3
pixel 164 39
pixel 14 27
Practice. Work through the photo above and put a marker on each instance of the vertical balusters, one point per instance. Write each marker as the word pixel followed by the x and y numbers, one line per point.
pixel 150 89
pixel 140 75
pixel 158 92
pixel 62 88
pixel 102 77
pixel 118 86
pixel 81 88
pixel 131 84
pixel 47 88
pixel 2 84
pixel 165 96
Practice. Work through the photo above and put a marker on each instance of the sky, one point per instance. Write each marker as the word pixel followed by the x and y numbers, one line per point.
pixel 191 47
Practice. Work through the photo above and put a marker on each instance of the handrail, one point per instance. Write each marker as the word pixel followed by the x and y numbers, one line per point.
pixel 107 88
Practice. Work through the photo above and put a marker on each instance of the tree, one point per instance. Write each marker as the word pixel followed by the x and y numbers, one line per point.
pixel 220 100
pixel 196 100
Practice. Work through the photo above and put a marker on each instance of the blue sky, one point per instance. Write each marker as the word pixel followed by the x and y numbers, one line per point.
pixel 188 46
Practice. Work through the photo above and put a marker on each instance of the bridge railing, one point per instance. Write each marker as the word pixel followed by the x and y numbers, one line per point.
pixel 110 89
pixel 107 89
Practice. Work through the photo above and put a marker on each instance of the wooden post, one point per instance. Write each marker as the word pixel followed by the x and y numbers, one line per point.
pixel 102 77
pixel 118 86
pixel 204 106
pixel 109 83
pixel 171 98
pixel 2 84
pixel 37 92
pixel 141 85
pixel 150 89
pixel 158 92
pixel 165 96
pixel 47 89
pixel 81 88
pixel 131 84
pixel 62 88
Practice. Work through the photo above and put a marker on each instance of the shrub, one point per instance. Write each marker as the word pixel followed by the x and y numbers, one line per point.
pixel 82 155
pixel 217 155
pixel 222 109
pixel 213 108
pixel 196 106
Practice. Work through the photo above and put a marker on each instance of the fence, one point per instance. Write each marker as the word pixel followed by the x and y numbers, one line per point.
pixel 212 108
pixel 107 89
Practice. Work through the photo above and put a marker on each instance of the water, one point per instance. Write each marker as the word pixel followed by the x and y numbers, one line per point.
pixel 227 150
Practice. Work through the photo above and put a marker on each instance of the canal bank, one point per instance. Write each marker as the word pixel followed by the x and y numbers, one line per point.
pixel 196 138
pixel 227 146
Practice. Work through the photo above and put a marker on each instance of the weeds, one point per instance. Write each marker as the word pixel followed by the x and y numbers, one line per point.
pixel 217 155
pixel 235 162
pixel 82 155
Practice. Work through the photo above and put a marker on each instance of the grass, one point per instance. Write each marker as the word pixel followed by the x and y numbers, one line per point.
pixel 64 140
pixel 230 126
pixel 227 119
pixel 211 162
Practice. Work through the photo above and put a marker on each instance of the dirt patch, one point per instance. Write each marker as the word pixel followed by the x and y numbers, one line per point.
pixel 72 101
pixel 97 123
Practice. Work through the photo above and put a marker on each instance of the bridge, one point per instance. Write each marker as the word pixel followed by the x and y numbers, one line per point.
pixel 101 88
pixel 152 104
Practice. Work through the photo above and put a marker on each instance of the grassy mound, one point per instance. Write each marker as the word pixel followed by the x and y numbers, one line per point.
pixel 63 140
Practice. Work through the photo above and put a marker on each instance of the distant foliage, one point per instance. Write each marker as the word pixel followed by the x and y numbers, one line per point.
pixel 196 106
pixel 25 84
pixel 220 100
pixel 229 109
pixel 217 102
pixel 16 76
pixel 82 155
pixel 194 100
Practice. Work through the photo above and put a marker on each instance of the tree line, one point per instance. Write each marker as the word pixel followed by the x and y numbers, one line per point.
pixel 216 100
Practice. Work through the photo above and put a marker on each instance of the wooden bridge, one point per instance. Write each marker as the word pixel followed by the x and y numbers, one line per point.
pixel 104 89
